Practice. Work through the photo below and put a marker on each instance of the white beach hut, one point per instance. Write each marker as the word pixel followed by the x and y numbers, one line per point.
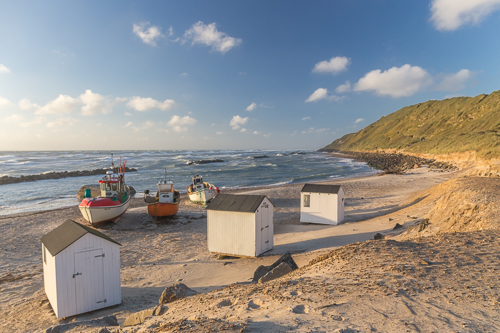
pixel 81 269
pixel 322 204
pixel 240 225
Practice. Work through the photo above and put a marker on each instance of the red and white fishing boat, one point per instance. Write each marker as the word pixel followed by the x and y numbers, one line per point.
pixel 166 200
pixel 200 191
pixel 113 201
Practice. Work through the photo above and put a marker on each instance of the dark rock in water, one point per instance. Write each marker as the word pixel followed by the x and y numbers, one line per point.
pixel 175 292
pixel 205 161
pixel 263 270
pixel 378 235
pixel 57 175
pixel 297 153
pixel 397 226
pixel 260 156
pixel 396 163
pixel 277 272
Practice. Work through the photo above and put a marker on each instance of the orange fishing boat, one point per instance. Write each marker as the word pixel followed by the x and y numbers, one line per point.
pixel 166 200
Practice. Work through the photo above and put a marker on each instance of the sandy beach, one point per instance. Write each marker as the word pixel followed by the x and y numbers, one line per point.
pixel 346 282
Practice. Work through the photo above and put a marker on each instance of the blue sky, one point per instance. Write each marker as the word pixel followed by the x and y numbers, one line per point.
pixel 92 75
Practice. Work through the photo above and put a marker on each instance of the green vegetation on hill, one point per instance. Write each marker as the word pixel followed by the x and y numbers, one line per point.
pixel 437 127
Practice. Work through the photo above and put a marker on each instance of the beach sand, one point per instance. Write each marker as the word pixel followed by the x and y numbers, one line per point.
pixel 375 286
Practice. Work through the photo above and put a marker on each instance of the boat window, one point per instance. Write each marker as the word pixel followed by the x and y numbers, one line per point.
pixel 115 187
pixel 307 200
pixel 108 187
pixel 103 186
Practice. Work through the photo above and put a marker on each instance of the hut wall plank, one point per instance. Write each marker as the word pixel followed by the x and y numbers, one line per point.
pixel 231 232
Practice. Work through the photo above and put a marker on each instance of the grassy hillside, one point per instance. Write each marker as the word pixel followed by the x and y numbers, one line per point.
pixel 438 127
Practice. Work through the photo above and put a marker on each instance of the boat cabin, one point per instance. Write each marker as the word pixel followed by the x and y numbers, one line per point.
pixel 112 186
pixel 166 191
pixel 198 183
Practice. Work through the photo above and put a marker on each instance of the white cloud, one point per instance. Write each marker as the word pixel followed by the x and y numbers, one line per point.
pixel 243 130
pixel 335 65
pixel 251 107
pixel 343 88
pixel 4 69
pixel 359 120
pixel 62 104
pixel 20 119
pixel 315 130
pixel 147 33
pixel 395 82
pixel 237 121
pixel 15 118
pixel 4 102
pixel 320 93
pixel 128 114
pixel 147 103
pixel 452 14
pixel 455 82
pixel 61 122
pixel 306 118
pixel 201 33
pixel 94 103
pixel 25 104
pixel 144 126
pixel 257 132
pixel 219 133
pixel 176 122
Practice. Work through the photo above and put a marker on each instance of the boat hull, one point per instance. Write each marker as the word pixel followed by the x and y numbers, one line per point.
pixel 204 195
pixel 102 213
pixel 160 209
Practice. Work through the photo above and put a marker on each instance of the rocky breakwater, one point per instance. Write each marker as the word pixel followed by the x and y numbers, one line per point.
pixel 397 163
pixel 56 175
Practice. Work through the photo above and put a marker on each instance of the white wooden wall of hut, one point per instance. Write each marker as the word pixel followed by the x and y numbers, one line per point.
pixel 97 286
pixel 49 278
pixel 241 233
pixel 324 208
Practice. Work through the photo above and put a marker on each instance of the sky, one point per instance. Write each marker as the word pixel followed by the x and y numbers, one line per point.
pixel 231 74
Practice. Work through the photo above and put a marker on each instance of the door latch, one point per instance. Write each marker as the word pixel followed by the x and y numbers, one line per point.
pixel 76 274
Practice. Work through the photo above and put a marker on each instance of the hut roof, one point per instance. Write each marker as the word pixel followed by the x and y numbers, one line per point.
pixel 68 233
pixel 317 188
pixel 236 203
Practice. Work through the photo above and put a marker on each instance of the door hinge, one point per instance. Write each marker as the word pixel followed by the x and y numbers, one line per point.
pixel 266 242
pixel 76 274
pixel 101 255
pixel 102 301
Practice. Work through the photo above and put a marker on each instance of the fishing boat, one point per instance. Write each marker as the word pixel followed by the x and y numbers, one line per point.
pixel 166 200
pixel 113 201
pixel 200 191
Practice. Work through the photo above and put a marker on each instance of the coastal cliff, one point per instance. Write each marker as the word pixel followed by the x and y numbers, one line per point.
pixel 455 125
pixel 463 131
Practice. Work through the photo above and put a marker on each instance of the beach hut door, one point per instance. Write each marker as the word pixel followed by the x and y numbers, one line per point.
pixel 89 280
pixel 264 223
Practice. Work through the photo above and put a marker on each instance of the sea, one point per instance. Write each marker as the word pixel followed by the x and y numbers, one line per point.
pixel 239 169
